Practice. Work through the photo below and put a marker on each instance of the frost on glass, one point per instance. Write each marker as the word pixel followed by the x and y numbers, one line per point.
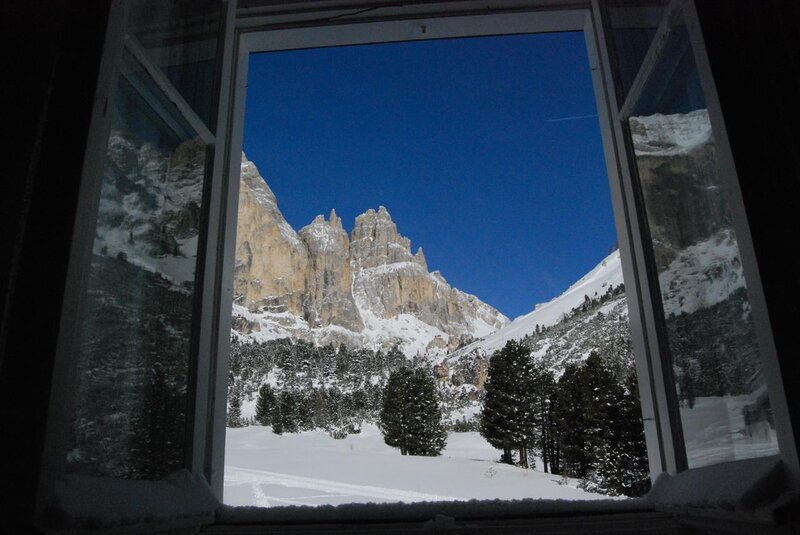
pixel 136 319
pixel 724 406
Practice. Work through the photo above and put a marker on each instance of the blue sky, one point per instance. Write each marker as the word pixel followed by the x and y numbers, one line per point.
pixel 486 152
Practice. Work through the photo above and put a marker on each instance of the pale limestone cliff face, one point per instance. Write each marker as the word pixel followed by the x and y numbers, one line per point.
pixel 420 259
pixel 376 242
pixel 389 280
pixel 330 296
pixel 326 278
pixel 272 263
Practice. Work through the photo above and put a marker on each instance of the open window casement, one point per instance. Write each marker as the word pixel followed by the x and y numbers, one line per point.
pixel 137 413
pixel 705 338
pixel 135 379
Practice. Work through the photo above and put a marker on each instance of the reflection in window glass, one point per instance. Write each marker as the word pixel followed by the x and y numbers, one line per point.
pixel 724 406
pixel 634 25
pixel 180 38
pixel 136 317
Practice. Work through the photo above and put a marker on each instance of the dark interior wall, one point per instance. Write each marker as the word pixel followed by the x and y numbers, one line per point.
pixel 53 50
pixel 754 50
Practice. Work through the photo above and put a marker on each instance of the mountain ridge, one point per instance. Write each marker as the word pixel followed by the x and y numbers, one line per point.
pixel 365 289
pixel 606 274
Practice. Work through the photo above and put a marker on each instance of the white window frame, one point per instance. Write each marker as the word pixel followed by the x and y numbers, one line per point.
pixel 270 32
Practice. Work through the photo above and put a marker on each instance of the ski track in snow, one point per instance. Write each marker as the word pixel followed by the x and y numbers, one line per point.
pixel 261 480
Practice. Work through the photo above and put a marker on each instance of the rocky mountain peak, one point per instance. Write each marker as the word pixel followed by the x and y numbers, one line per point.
pixel 376 242
pixel 363 289
pixel 336 221
pixel 257 187
pixel 329 278
pixel 333 221
pixel 420 259
pixel 325 235
pixel 271 260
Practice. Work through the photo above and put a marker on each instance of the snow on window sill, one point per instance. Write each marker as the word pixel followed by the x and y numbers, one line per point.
pixel 426 511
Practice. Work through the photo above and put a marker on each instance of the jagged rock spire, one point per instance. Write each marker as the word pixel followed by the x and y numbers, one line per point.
pixel 420 258
pixel 330 299
pixel 336 221
pixel 376 242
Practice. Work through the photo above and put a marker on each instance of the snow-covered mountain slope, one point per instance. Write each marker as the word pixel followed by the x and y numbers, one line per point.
pixel 591 316
pixel 412 335
pixel 136 320
pixel 702 275
pixel 607 273
pixel 149 209
pixel 670 135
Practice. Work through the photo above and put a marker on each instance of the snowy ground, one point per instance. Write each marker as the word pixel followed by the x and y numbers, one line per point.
pixel 311 468
pixel 715 431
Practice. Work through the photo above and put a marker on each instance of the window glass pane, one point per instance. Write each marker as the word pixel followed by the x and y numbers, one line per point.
pixel 181 37
pixel 724 407
pixel 634 25
pixel 136 317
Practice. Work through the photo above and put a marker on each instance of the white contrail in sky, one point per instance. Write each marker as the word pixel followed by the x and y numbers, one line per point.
pixel 571 118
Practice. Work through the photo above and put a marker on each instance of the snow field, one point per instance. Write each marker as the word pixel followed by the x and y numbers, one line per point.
pixel 311 468
pixel 715 431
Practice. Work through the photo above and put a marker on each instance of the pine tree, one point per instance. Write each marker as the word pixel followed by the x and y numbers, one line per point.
pixel 497 413
pixel 622 466
pixel 287 417
pixel 395 358
pixel 235 407
pixel 266 405
pixel 508 417
pixel 428 436
pixel 637 478
pixel 585 407
pixel 528 388
pixel 394 414
pixel 277 420
pixel 544 389
pixel 157 441
pixel 305 410
pixel 569 416
pixel 550 436
pixel 411 418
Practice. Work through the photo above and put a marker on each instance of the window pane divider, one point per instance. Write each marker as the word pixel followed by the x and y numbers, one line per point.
pixel 163 83
pixel 651 58
pixel 665 445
